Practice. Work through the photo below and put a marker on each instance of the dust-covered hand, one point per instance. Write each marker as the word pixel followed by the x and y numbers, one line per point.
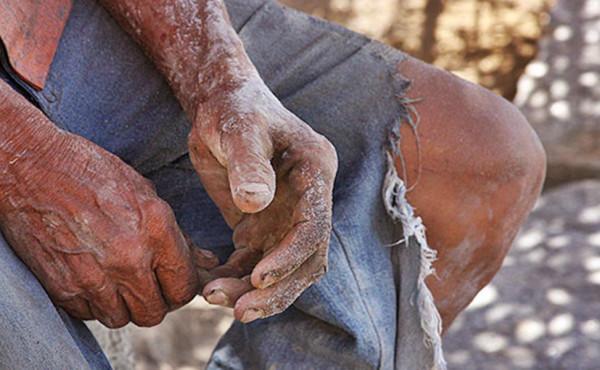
pixel 270 173
pixel 272 177
pixel 92 230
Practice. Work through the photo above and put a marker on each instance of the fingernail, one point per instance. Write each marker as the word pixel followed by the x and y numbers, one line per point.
pixel 253 188
pixel 206 254
pixel 268 279
pixel 252 314
pixel 218 297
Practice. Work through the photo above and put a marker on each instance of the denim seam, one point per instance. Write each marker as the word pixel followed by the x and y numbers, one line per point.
pixel 336 234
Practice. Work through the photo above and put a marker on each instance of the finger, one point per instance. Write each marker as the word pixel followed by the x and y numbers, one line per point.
pixel 226 291
pixel 248 151
pixel 261 303
pixel 299 245
pixel 174 264
pixel 312 229
pixel 264 230
pixel 204 277
pixel 203 258
pixel 107 306
pixel 78 308
pixel 214 179
pixel 240 263
pixel 144 300
pixel 179 284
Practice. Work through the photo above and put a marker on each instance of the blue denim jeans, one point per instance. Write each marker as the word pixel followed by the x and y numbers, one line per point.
pixel 371 311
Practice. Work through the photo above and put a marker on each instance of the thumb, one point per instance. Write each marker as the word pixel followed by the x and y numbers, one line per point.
pixel 203 258
pixel 251 175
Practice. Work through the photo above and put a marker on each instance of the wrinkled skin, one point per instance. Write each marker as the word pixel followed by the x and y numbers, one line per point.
pixel 92 230
pixel 269 173
pixel 479 169
pixel 272 177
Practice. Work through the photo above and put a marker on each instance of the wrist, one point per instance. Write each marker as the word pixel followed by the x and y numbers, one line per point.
pixel 24 129
pixel 29 143
pixel 238 96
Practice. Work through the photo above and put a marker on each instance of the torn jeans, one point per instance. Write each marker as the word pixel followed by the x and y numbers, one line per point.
pixel 372 310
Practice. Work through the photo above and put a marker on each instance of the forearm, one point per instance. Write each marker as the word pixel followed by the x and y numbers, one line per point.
pixel 191 42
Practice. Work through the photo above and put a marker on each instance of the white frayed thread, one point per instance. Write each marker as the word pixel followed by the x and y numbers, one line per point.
pixel 394 199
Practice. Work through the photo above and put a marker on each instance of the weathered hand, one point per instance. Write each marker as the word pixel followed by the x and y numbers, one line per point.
pixel 272 177
pixel 268 172
pixel 92 229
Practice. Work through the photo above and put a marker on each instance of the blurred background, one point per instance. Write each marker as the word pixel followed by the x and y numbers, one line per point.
pixel 542 311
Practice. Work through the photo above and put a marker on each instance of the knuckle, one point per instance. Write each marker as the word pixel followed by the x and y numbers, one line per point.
pixel 93 282
pixel 115 323
pixel 150 318
pixel 318 233
pixel 160 219
pixel 147 184
pixel 176 302
pixel 328 147
pixel 318 275
pixel 157 207
pixel 63 296
pixel 329 157
pixel 133 260
pixel 74 307
pixel 321 266
pixel 182 295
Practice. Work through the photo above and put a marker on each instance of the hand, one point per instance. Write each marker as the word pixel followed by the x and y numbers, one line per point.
pixel 95 233
pixel 272 177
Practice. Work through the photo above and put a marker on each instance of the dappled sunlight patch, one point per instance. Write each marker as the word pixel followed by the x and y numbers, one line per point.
pixel 499 312
pixel 559 241
pixel 559 297
pixel 594 278
pixel 486 296
pixel 530 330
pixel 561 110
pixel 563 33
pixel 521 357
pixel 539 99
pixel 559 347
pixel 530 239
pixel 594 239
pixel 589 215
pixel 591 9
pixel 592 263
pixel 537 256
pixel 458 357
pixel 537 69
pixel 559 89
pixel 591 328
pixel 490 342
pixel 589 79
pixel 561 324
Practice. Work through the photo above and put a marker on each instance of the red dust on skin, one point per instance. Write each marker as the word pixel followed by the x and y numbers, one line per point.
pixel 269 173
pixel 480 168
pixel 91 229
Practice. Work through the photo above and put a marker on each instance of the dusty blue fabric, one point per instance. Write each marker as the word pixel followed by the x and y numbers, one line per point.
pixel 344 85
